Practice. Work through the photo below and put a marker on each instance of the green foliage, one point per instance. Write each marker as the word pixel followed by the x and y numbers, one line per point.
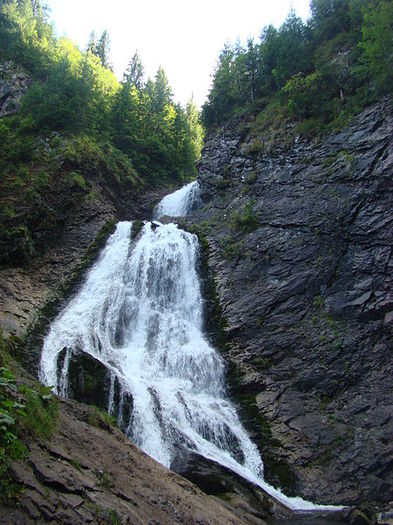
pixel 245 220
pixel 305 95
pixel 115 519
pixel 251 178
pixel 40 412
pixel 329 18
pixel 233 249
pixel 53 165
pixel 102 50
pixel 76 123
pixel 98 418
pixel 75 179
pixel 262 363
pixel 24 411
pixel 319 73
pixel 377 46
pixel 318 301
pixel 255 148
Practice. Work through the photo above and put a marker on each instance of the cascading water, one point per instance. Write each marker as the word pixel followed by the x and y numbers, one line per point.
pixel 140 314
pixel 179 203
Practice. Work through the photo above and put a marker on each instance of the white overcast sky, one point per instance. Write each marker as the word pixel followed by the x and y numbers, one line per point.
pixel 183 37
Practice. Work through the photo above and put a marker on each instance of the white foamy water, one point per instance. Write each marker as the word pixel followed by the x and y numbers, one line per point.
pixel 139 313
pixel 179 203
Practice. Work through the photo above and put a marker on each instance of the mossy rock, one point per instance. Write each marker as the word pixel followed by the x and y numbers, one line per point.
pixel 89 380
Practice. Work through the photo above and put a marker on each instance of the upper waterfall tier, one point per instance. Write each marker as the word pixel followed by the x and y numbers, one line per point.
pixel 179 203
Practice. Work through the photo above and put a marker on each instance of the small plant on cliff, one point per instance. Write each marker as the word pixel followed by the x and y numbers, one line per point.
pixel 24 411
pixel 318 301
pixel 40 415
pixel 232 249
pixel 245 220
pixel 11 447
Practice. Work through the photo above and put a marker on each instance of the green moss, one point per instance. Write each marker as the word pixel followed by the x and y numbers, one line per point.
pixel 251 178
pixel 277 471
pixel 100 419
pixel 76 180
pixel 245 220
pixel 215 322
pixel 114 517
pixel 262 363
pixel 324 458
pixel 318 301
pixel 222 184
pixel 95 247
pixel 255 148
pixel 105 480
pixel 76 464
pixel 233 249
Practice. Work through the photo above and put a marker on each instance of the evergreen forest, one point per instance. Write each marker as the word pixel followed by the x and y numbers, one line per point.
pixel 77 118
pixel 317 73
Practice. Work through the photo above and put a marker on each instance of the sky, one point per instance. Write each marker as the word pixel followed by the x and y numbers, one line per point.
pixel 183 37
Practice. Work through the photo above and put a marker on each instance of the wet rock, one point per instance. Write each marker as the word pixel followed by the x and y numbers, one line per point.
pixel 88 472
pixel 88 380
pixel 302 257
pixel 216 480
pixel 165 219
pixel 357 517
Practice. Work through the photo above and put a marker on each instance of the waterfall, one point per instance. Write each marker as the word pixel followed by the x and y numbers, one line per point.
pixel 139 313
pixel 179 203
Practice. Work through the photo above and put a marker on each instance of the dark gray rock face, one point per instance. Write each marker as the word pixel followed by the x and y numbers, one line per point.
pixel 248 499
pixel 300 243
pixel 13 85
pixel 89 381
pixel 216 480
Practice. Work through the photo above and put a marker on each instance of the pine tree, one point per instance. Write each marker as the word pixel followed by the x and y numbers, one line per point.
pixel 162 91
pixel 195 128
pixel 135 71
pixel 103 50
pixel 92 43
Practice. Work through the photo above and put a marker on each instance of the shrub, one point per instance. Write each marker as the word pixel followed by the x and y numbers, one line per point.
pixel 245 220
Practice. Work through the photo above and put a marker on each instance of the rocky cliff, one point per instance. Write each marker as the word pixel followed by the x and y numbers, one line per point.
pixel 87 471
pixel 13 85
pixel 300 239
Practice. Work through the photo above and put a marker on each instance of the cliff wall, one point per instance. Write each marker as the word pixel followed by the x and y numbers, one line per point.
pixel 300 238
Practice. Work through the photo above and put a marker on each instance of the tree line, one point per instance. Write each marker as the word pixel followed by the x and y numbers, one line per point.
pixel 317 71
pixel 78 124
pixel 76 92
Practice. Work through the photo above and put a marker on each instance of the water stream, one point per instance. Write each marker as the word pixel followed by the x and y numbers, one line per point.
pixel 139 312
